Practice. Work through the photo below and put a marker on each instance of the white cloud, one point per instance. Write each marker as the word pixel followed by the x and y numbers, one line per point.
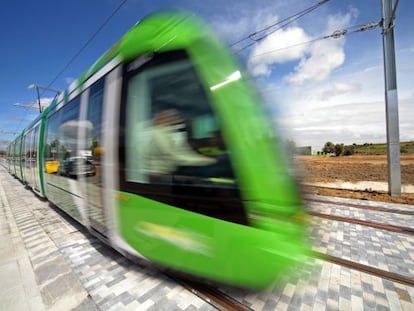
pixel 325 56
pixel 338 88
pixel 317 60
pixel 341 21
pixel 319 93
pixel 347 108
pixel 349 85
pixel 241 22
pixel 273 50
pixel 45 101
pixel 353 122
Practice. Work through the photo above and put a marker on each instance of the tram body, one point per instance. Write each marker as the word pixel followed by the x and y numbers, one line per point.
pixel 220 206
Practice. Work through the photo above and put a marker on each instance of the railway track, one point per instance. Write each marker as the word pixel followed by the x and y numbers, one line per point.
pixel 225 302
pixel 212 296
pixel 365 207
pixel 216 298
pixel 363 268
pixel 377 225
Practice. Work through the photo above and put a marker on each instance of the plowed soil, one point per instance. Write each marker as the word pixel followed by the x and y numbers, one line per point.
pixel 354 169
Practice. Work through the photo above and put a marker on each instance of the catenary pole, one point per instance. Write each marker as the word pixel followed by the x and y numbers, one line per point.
pixel 391 99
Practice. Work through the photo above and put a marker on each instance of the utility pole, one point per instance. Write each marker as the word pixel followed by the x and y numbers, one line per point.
pixel 37 87
pixel 391 98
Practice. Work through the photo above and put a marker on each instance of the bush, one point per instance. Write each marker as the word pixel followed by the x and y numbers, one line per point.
pixel 329 147
pixel 348 150
pixel 338 149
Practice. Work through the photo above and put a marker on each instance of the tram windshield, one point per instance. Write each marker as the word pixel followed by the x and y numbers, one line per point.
pixel 172 134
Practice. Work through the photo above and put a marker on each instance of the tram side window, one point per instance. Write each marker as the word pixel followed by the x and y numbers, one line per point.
pixel 35 144
pixel 8 156
pixel 94 122
pixel 172 134
pixel 50 154
pixel 27 148
pixel 62 136
pixel 22 151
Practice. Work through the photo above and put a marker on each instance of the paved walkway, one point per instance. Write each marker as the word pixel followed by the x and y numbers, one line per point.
pixel 48 263
pixel 322 285
pixel 18 287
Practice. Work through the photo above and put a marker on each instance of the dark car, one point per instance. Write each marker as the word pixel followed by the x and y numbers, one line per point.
pixel 77 166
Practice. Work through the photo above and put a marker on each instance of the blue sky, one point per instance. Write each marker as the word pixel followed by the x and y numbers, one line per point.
pixel 331 89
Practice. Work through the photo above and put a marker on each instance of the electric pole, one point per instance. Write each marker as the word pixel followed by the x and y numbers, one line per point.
pixel 37 87
pixel 391 98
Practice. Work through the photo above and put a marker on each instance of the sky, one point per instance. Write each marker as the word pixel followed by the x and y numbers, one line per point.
pixel 325 90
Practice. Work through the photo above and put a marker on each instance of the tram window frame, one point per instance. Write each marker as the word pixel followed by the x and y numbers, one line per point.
pixel 56 119
pixel 213 199
pixel 166 104
pixel 94 114
pixel 35 143
pixel 28 137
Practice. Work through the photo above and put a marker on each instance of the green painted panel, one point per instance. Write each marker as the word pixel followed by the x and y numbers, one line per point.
pixel 205 246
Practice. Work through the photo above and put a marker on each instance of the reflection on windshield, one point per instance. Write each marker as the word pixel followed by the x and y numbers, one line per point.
pixel 172 133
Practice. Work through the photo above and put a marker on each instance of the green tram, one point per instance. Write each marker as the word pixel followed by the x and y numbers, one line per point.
pixel 162 148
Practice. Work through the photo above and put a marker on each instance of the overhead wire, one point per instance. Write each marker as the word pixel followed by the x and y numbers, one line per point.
pixel 268 30
pixel 83 47
pixel 334 35
pixel 286 21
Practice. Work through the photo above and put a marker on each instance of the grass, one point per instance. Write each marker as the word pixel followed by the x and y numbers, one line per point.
pixel 375 149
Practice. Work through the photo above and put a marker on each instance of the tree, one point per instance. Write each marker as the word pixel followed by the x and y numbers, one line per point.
pixel 349 150
pixel 329 147
pixel 338 149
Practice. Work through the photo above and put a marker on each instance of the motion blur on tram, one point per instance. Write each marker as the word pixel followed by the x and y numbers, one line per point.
pixel 163 150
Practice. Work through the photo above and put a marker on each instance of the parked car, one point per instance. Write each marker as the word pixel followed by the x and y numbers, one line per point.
pixel 76 166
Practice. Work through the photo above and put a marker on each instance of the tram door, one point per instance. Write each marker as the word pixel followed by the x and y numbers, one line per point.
pixel 93 156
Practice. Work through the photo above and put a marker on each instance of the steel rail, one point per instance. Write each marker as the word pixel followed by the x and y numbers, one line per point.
pixel 214 297
pixel 367 207
pixel 363 268
pixel 377 225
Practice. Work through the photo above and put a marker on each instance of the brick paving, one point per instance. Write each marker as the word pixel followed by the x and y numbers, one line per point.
pixel 321 285
pixel 48 263
pixel 64 268
pixel 369 215
pixel 382 249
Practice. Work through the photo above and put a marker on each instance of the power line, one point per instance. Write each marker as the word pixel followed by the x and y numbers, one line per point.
pixel 87 42
pixel 334 35
pixel 91 38
pixel 287 21
pixel 268 30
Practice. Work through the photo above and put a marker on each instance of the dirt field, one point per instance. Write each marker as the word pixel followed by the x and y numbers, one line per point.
pixel 353 169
